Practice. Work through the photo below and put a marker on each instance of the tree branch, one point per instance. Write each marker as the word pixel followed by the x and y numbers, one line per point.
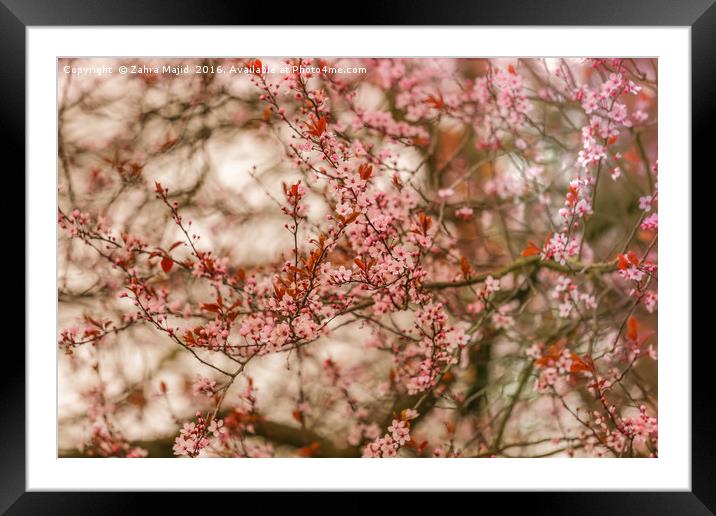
pixel 522 263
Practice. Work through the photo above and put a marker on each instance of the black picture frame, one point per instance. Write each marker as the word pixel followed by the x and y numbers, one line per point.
pixel 699 15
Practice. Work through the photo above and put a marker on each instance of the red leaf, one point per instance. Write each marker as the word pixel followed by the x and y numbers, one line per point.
pixel 623 262
pixel 425 222
pixel 531 249
pixel 350 218
pixel 511 69
pixel 167 264
pixel 632 328
pixel 436 102
pixel 210 307
pixel 465 266
pixel 578 364
pixel 632 155
pixel 267 113
pixel 279 291
pixel 310 450
pixel 365 171
pixel 92 321
pixel 318 128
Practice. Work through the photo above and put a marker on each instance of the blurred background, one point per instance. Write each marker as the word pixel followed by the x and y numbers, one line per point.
pixel 210 139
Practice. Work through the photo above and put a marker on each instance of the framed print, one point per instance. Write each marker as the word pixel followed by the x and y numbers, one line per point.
pixel 359 258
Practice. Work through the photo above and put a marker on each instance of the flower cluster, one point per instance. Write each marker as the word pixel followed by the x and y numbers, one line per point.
pixel 554 363
pixel 560 248
pixel 105 440
pixel 390 444
pixel 196 436
pixel 570 299
pixel 435 346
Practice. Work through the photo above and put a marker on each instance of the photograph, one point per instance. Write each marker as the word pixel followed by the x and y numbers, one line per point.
pixel 357 257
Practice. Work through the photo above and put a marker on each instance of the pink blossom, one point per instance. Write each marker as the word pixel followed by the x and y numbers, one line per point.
pixel 645 203
pixel 203 386
pixel 464 213
pixel 650 223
